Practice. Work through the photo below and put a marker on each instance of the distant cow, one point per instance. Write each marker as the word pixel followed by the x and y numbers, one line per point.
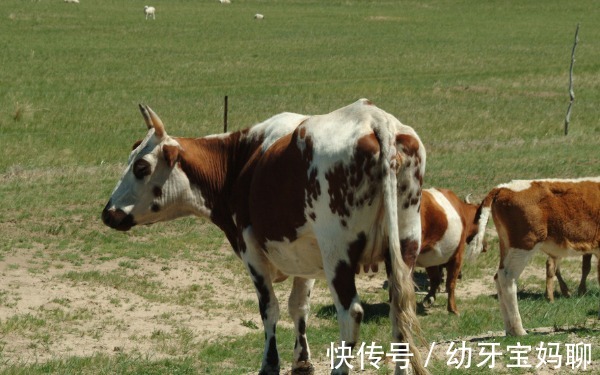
pixel 558 217
pixel 300 196
pixel 150 12
pixel 447 225
pixel 553 269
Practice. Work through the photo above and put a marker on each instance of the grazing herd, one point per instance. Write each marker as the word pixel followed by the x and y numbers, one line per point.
pixel 323 196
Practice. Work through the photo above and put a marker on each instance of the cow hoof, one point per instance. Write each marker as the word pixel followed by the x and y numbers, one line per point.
pixel 428 301
pixel 516 332
pixel 269 371
pixel 305 368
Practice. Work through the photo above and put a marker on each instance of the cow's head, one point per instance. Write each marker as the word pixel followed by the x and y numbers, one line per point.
pixel 152 188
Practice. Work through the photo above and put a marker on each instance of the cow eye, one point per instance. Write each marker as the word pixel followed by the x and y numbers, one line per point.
pixel 141 169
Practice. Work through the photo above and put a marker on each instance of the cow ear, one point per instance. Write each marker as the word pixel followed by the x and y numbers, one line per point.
pixel 171 154
pixel 153 121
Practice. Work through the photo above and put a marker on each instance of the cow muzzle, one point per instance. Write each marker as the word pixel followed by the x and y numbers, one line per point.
pixel 117 219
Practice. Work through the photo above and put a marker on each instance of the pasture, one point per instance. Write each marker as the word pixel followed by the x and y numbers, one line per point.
pixel 485 84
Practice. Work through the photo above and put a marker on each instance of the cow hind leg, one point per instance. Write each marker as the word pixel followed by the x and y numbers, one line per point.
pixel 586 267
pixel 299 307
pixel 435 279
pixel 511 267
pixel 552 270
pixel 564 289
pixel 454 266
pixel 340 279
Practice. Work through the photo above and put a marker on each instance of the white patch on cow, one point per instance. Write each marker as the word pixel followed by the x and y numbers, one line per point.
pixel 443 250
pixel 516 185
pixel 299 258
pixel 515 262
pixel 275 128
pixel 355 122
pixel 558 251
pixel 520 185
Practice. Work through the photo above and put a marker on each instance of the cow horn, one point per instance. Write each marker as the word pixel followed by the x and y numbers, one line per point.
pixel 152 120
pixel 468 198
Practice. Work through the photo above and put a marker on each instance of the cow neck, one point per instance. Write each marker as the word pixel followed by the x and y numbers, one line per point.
pixel 213 165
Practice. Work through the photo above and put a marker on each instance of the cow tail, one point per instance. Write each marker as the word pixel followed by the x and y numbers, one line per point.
pixel 405 324
pixel 475 247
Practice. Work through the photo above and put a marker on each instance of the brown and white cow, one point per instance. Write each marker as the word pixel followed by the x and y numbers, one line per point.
pixel 447 225
pixel 301 196
pixel 559 217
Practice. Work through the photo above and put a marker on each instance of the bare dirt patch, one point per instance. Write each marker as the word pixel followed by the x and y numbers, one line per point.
pixel 54 309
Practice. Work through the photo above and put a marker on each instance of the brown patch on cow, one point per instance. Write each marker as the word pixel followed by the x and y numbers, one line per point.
pixel 468 212
pixel 343 282
pixel 410 144
pixel 281 189
pixel 338 188
pixel 358 317
pixel 410 250
pixel 434 222
pixel 345 181
pixel 313 186
pixel 313 216
pixel 221 182
pixel 302 132
pixel 564 212
pixel 419 176
pixel 171 154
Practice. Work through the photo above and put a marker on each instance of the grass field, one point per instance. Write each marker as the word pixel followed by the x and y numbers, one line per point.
pixel 484 83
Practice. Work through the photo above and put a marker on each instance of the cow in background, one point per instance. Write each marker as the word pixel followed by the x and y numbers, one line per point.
pixel 447 225
pixel 559 217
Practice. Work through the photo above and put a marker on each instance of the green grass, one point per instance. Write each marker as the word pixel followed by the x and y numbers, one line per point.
pixel 483 83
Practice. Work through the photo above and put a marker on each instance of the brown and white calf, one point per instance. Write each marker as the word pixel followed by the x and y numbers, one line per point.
pixel 302 196
pixel 447 225
pixel 559 217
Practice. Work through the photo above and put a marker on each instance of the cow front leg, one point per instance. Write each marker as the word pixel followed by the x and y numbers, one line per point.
pixel 269 312
pixel 550 274
pixel 510 269
pixel 299 307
